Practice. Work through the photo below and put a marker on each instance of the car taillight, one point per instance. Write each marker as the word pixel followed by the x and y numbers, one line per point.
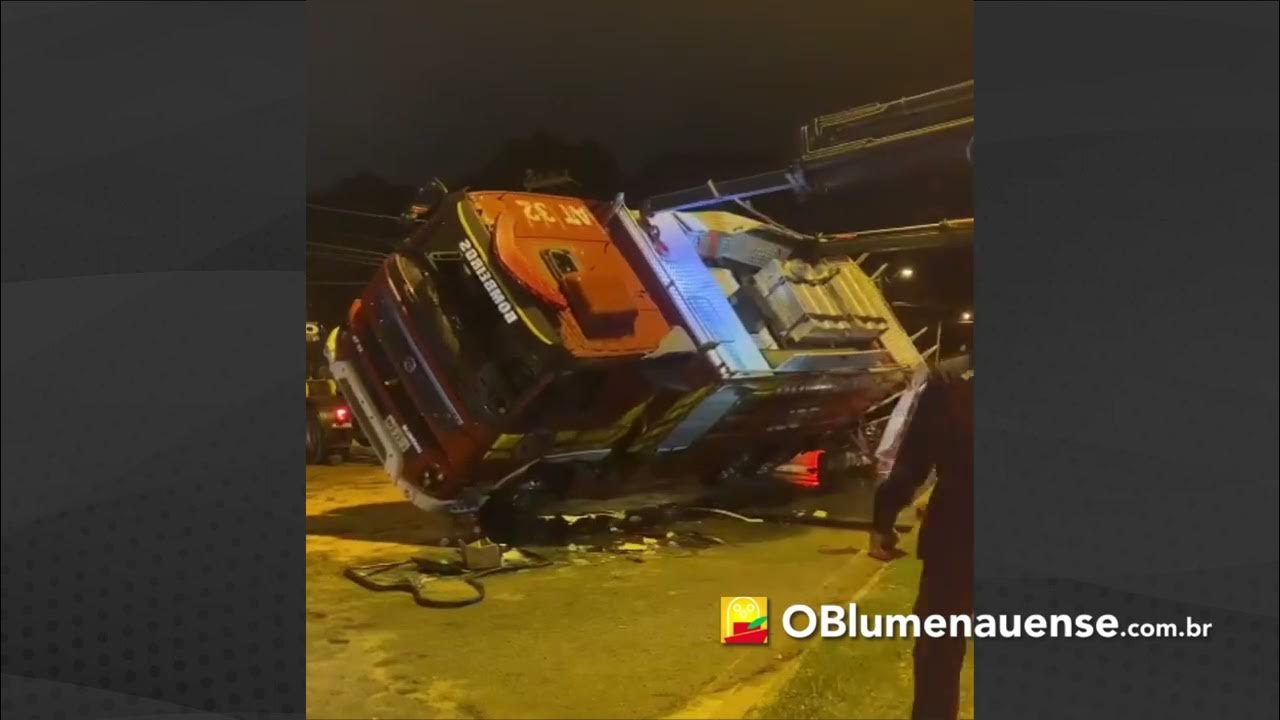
pixel 342 414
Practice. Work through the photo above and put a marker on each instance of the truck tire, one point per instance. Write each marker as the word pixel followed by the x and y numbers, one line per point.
pixel 316 450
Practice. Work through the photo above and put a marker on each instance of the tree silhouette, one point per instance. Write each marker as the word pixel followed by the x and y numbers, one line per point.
pixel 585 168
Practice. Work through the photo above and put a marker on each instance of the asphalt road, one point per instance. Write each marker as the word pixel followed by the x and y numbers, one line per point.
pixel 595 635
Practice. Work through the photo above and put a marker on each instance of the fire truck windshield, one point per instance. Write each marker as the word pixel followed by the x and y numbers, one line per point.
pixel 468 332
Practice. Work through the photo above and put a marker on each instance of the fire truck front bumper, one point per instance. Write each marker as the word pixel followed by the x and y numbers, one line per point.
pixel 382 434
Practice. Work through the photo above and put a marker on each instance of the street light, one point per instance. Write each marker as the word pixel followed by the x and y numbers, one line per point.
pixel 906 273
pixel 966 316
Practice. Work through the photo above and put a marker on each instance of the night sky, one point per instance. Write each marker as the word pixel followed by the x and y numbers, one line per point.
pixel 404 89
pixel 410 90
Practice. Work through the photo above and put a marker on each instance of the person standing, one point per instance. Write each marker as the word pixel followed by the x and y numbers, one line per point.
pixel 938 438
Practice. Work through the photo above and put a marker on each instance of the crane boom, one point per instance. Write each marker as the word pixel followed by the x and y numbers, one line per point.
pixel 867 141
pixel 912 237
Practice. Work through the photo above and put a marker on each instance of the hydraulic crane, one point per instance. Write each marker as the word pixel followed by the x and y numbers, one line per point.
pixel 867 142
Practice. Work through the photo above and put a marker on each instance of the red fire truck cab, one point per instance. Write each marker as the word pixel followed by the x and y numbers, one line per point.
pixel 513 332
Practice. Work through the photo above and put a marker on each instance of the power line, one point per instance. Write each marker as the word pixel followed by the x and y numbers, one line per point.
pixel 360 213
pixel 347 248
pixel 380 240
pixel 354 260
pixel 339 250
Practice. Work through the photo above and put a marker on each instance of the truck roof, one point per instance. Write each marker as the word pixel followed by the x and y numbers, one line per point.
pixel 556 249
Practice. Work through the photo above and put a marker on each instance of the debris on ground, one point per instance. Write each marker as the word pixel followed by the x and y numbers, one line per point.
pixel 482 555
pixel 446 581
pixel 638 539
pixel 666 527
pixel 450 576
pixel 710 539
pixel 726 513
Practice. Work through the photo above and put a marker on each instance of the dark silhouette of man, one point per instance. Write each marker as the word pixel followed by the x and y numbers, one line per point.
pixel 939 437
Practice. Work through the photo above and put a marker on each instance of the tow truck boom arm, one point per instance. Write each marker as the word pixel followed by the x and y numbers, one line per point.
pixel 841 148
pixel 946 233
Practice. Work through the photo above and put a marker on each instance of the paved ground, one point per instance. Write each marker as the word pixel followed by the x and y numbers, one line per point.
pixel 860 678
pixel 596 635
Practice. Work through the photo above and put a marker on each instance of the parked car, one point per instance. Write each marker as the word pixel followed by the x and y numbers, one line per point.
pixel 329 430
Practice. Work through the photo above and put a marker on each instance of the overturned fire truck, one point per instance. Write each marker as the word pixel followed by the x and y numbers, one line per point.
pixel 515 336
